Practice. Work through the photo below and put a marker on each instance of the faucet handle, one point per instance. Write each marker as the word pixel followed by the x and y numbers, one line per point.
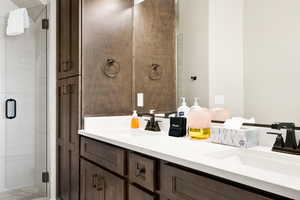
pixel 279 143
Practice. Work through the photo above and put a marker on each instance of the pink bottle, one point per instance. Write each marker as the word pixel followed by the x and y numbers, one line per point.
pixel 220 114
pixel 199 121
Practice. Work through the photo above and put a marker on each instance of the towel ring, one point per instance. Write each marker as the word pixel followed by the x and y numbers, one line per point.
pixel 111 68
pixel 155 72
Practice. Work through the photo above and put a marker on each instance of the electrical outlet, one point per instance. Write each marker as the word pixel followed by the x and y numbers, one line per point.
pixel 219 100
pixel 140 99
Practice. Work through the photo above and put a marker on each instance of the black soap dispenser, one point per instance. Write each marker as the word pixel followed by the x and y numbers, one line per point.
pixel 177 127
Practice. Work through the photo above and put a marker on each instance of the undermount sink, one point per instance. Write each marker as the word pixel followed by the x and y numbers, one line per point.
pixel 267 161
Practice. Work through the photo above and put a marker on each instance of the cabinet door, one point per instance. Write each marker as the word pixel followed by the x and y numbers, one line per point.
pixel 68 139
pixel 89 182
pixel 98 184
pixel 107 57
pixel 68 38
pixel 181 184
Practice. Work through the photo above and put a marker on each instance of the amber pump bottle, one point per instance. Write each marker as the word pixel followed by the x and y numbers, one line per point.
pixel 135 120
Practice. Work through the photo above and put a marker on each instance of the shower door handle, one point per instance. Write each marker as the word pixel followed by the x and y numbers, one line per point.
pixel 11 108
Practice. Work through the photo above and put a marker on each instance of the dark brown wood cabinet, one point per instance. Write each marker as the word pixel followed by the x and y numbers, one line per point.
pixel 175 182
pixel 68 123
pixel 98 184
pixel 68 35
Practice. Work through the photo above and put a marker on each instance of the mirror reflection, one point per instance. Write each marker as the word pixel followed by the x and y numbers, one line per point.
pixel 241 55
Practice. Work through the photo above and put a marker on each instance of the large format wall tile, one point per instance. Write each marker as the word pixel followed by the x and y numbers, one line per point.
pixel 154 44
pixel 107 34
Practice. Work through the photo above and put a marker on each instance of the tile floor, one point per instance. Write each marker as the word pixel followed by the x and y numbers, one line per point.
pixel 22 194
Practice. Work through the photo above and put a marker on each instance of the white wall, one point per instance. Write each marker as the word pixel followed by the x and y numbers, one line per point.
pixel 226 54
pixel 272 59
pixel 193 50
pixel 210 45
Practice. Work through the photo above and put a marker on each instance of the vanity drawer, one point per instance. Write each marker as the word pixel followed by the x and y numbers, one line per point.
pixel 142 171
pixel 137 194
pixel 180 184
pixel 107 156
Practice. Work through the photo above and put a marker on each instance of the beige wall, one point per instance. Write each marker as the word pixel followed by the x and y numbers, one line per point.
pixel 272 60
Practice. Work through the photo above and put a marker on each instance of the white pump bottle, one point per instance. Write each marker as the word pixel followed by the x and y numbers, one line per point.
pixel 183 110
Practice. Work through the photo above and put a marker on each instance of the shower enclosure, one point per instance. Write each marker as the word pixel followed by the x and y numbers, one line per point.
pixel 23 104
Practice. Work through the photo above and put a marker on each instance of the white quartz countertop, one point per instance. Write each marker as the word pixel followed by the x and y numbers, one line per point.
pixel 258 167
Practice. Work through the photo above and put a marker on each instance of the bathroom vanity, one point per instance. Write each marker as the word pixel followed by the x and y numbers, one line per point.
pixel 123 164
pixel 116 56
pixel 112 172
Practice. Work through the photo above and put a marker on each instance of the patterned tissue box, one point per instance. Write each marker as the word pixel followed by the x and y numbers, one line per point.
pixel 244 137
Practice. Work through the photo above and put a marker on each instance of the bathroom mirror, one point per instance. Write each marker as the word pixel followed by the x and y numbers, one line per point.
pixel 243 55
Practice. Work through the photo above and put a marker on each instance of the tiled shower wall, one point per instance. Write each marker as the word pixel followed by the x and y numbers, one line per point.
pixel 22 77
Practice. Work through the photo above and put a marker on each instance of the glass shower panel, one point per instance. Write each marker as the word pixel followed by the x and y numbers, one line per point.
pixel 23 93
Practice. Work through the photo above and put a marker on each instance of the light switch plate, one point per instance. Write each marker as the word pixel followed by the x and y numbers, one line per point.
pixel 140 99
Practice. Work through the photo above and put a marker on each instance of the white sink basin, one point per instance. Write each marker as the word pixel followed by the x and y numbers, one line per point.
pixel 267 161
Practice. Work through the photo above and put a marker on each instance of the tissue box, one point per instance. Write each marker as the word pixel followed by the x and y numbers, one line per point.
pixel 244 137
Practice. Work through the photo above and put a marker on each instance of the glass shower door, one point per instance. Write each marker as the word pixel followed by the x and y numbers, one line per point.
pixel 23 111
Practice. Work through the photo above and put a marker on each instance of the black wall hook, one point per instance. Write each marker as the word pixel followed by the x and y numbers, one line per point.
pixel 193 78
